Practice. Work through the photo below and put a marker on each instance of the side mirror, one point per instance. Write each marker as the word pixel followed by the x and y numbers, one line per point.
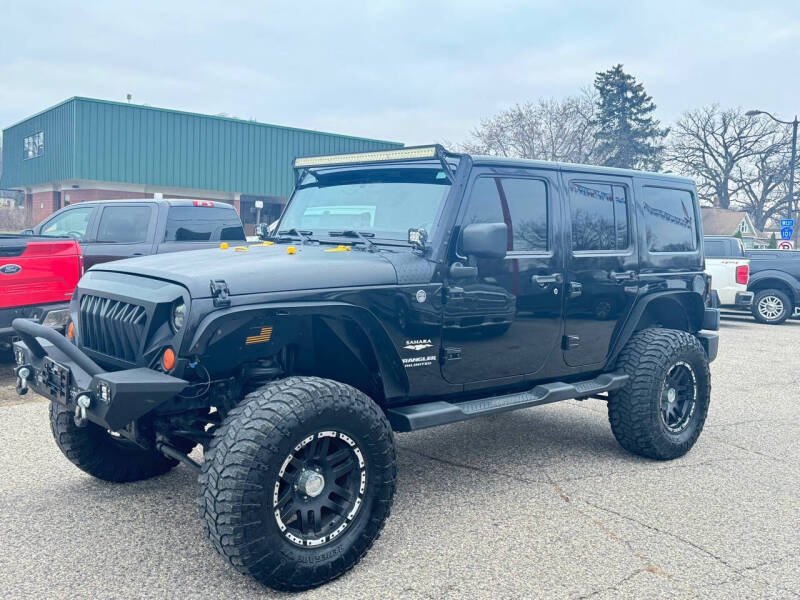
pixel 485 240
pixel 27 232
pixel 262 231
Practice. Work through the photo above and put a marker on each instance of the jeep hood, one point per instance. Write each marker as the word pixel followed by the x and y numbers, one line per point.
pixel 263 269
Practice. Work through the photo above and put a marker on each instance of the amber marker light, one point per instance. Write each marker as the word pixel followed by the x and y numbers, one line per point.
pixel 168 359
pixel 71 331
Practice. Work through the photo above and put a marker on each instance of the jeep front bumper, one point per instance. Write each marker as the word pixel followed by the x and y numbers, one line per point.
pixel 53 367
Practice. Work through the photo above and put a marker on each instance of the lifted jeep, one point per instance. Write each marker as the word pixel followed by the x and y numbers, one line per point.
pixel 401 290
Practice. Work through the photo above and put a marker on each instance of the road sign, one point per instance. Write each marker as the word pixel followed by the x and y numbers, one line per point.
pixel 259 204
pixel 786 245
pixel 787 222
pixel 786 233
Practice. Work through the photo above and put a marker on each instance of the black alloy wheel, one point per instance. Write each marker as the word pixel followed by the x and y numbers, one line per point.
pixel 320 488
pixel 679 397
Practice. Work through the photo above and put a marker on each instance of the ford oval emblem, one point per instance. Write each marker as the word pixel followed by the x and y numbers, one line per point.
pixel 10 269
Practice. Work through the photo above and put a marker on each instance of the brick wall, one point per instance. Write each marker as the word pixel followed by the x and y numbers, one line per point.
pixel 42 205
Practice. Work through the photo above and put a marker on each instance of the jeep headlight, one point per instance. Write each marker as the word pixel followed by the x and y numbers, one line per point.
pixel 178 315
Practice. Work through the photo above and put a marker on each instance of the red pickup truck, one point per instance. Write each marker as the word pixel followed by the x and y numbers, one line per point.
pixel 37 278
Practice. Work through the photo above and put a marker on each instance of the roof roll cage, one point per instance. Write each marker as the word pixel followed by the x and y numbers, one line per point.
pixel 305 164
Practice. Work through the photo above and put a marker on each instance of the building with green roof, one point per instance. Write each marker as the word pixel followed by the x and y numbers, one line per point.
pixel 86 149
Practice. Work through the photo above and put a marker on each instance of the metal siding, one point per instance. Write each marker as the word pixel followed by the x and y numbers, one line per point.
pixel 56 161
pixel 109 141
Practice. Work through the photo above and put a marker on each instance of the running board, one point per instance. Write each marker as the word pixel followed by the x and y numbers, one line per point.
pixel 431 414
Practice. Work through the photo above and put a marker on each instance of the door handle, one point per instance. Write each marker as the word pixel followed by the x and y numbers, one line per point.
pixel 623 276
pixel 574 289
pixel 545 280
pixel 136 254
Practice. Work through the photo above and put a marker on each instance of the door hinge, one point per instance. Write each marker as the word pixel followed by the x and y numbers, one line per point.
pixel 220 292
pixel 570 341
pixel 451 354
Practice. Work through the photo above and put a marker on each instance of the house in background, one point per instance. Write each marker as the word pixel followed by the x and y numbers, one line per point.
pixel 722 221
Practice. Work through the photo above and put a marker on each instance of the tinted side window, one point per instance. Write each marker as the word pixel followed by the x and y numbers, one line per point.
pixel 669 220
pixel 599 216
pixel 519 203
pixel 715 248
pixel 201 224
pixel 124 224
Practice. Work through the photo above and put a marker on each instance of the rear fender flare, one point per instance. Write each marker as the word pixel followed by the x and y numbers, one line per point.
pixel 690 304
pixel 223 322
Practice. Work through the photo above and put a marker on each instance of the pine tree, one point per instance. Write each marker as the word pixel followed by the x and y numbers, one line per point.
pixel 629 135
pixel 773 241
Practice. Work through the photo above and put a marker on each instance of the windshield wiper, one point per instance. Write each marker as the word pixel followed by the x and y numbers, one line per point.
pixel 363 236
pixel 302 234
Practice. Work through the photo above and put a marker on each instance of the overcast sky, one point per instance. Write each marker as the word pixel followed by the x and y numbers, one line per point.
pixel 413 72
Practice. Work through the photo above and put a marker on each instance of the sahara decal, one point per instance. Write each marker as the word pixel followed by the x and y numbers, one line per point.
pixel 418 345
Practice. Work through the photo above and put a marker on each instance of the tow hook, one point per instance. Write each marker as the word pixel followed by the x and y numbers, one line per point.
pixel 81 404
pixel 22 380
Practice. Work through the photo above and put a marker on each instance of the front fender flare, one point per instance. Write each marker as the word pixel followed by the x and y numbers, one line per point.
pixel 221 322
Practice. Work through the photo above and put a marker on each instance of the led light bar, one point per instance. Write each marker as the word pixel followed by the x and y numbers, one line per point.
pixel 385 155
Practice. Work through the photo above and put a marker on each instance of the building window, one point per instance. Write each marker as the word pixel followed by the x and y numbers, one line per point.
pixel 33 145
pixel 743 226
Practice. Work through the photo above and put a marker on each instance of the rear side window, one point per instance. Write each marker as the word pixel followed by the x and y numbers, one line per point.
pixel 124 224
pixel 202 224
pixel 669 220
pixel 715 248
pixel 599 216
pixel 519 203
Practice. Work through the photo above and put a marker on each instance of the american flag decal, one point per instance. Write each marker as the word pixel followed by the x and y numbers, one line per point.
pixel 260 338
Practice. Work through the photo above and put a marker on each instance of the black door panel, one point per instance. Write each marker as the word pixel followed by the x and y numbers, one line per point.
pixel 602 266
pixel 512 306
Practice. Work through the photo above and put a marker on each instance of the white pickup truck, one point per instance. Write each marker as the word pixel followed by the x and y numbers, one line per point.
pixel 729 269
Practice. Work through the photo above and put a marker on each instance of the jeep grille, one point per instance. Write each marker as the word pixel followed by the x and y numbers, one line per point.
pixel 111 327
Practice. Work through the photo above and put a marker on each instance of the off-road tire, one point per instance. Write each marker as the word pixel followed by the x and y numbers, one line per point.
pixel 96 452
pixel 634 411
pixel 244 463
pixel 782 298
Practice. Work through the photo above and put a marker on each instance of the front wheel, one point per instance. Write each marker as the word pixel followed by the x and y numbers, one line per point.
pixel 298 482
pixel 104 455
pixel 771 306
pixel 660 412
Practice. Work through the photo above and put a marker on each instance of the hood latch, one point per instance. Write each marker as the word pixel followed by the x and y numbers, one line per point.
pixel 220 292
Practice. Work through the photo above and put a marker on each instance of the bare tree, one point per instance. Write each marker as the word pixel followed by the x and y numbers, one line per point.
pixel 710 144
pixel 762 181
pixel 558 130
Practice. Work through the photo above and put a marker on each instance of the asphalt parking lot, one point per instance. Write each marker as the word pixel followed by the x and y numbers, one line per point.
pixel 540 503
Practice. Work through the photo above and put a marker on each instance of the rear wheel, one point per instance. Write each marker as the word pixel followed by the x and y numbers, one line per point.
pixel 103 454
pixel 298 481
pixel 771 306
pixel 661 410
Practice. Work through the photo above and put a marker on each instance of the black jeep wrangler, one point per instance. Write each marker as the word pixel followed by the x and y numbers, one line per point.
pixel 401 290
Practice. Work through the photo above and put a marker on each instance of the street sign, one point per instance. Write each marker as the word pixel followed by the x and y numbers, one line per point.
pixel 259 204
pixel 786 245
pixel 787 222
pixel 786 233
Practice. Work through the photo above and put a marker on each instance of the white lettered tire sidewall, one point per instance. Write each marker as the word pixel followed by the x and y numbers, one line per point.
pixel 243 464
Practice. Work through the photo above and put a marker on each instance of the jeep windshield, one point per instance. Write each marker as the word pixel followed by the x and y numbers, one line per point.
pixel 380 203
